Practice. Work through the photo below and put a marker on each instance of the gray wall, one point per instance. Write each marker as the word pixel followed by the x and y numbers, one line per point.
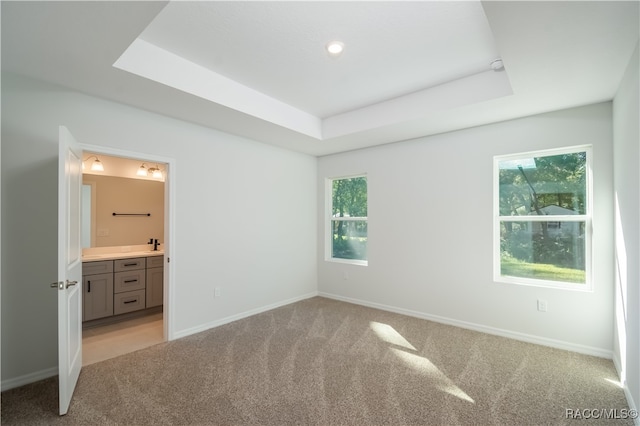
pixel 626 131
pixel 431 232
pixel 245 216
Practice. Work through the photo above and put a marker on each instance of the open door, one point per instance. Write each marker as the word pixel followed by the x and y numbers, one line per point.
pixel 69 282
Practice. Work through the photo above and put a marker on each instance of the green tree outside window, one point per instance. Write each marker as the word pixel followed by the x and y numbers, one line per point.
pixel 543 216
pixel 349 218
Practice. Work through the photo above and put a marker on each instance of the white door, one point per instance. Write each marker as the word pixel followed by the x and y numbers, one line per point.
pixel 69 282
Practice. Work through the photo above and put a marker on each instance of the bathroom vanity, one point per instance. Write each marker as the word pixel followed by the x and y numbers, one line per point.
pixel 117 284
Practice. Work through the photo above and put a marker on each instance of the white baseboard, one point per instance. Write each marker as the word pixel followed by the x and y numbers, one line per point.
pixel 28 378
pixel 631 402
pixel 583 349
pixel 625 388
pixel 226 320
pixel 618 365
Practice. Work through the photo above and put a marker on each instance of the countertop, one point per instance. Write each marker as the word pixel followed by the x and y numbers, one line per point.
pixel 120 255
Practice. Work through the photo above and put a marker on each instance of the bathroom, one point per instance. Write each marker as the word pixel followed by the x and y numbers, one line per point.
pixel 123 222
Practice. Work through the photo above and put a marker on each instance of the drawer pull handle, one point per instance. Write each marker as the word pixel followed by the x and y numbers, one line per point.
pixel 131 264
pixel 89 285
pixel 130 301
pixel 130 281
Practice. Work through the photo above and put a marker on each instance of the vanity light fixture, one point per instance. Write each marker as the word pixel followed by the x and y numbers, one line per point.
pixel 142 171
pixel 154 172
pixel 96 166
pixel 335 48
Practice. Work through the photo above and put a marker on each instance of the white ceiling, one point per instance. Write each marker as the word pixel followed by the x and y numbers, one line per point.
pixel 259 69
pixel 278 48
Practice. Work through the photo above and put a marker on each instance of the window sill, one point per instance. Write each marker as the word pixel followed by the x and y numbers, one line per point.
pixel 586 287
pixel 348 261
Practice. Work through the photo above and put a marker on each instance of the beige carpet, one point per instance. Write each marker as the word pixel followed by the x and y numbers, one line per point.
pixel 324 362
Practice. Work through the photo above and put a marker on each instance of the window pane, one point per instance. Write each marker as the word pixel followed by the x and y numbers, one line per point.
pixel 553 251
pixel 349 197
pixel 349 239
pixel 548 185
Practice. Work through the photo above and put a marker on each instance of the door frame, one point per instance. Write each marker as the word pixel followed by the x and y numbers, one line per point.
pixel 169 225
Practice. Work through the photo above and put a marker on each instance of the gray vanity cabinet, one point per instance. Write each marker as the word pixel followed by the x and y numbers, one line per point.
pixel 97 287
pixel 120 286
pixel 155 278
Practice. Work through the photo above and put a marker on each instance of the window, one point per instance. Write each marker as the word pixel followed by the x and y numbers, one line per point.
pixel 542 230
pixel 347 224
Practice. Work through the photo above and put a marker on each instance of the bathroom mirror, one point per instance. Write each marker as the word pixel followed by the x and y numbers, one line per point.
pixel 138 204
pixel 88 220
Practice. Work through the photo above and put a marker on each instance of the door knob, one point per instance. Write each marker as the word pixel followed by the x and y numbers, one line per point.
pixel 61 285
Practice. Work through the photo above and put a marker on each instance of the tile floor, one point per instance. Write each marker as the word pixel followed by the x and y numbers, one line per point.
pixel 109 341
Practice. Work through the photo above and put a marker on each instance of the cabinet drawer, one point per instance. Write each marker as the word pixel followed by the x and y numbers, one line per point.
pixel 127 281
pixel 129 264
pixel 128 302
pixel 92 268
pixel 155 261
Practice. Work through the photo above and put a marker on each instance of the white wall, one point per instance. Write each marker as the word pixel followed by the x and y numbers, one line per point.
pixel 626 132
pixel 245 216
pixel 430 232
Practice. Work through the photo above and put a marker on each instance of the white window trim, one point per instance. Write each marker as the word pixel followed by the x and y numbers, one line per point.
pixel 587 218
pixel 328 193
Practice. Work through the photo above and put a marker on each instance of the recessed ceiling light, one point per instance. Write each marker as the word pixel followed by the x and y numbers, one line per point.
pixel 335 48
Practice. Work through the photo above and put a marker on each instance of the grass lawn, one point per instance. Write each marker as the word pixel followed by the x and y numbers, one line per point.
pixel 348 247
pixel 516 268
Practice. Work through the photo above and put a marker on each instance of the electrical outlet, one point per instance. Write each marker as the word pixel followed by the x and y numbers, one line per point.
pixel 216 292
pixel 542 305
pixel 103 232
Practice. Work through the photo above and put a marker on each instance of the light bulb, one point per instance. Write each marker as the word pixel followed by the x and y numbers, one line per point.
pixel 142 171
pixel 97 166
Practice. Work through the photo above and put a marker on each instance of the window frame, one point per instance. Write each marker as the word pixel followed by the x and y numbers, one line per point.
pixel 328 234
pixel 587 218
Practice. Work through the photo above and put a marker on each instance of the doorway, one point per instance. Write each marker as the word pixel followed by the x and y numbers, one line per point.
pixel 126 220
